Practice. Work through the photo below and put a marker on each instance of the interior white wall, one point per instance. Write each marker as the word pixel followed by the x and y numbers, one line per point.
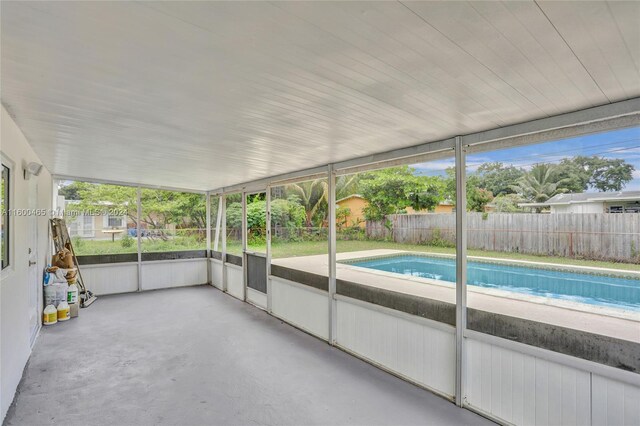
pixel 15 347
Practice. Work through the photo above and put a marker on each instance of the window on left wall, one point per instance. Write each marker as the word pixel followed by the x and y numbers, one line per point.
pixel 4 226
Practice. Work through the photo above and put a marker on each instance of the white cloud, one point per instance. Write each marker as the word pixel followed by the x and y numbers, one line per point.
pixel 635 150
pixel 440 165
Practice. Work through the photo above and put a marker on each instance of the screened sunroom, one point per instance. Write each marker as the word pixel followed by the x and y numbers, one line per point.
pixel 321 213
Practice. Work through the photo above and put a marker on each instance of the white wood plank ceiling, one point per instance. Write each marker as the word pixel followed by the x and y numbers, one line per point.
pixel 204 95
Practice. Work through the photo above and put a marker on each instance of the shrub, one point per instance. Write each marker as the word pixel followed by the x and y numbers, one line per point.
pixel 352 233
pixel 126 241
pixel 438 241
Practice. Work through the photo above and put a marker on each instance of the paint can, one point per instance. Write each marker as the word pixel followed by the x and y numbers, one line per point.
pixel 50 315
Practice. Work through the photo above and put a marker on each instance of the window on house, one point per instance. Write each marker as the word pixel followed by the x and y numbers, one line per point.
pixel 4 227
pixel 115 222
pixel 632 208
pixel 87 226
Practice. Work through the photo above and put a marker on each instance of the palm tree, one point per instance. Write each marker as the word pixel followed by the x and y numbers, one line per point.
pixel 311 193
pixel 315 192
pixel 540 183
pixel 347 185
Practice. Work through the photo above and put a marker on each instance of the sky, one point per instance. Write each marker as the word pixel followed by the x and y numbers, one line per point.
pixel 624 143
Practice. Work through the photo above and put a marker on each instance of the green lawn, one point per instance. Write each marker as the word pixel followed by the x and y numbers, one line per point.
pixel 88 247
pixel 307 248
pixel 320 247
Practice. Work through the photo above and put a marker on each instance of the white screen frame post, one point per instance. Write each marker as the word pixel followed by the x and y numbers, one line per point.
pixel 333 317
pixel 461 268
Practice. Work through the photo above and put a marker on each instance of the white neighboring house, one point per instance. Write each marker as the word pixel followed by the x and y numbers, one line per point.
pixel 591 202
pixel 92 226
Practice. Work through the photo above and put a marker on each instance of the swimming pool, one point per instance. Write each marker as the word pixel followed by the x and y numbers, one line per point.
pixel 578 287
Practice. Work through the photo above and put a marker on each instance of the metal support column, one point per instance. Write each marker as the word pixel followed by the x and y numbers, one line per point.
pixel 461 268
pixel 332 255
pixel 223 226
pixel 268 235
pixel 208 213
pixel 138 236
pixel 244 244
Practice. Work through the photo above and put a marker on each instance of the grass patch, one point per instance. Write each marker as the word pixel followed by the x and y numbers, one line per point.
pixel 308 248
pixel 92 247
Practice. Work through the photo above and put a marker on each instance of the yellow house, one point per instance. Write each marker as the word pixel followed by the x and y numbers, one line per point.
pixel 356 203
pixel 444 207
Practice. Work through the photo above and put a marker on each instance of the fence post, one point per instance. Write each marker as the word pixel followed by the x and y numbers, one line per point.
pixel 570 244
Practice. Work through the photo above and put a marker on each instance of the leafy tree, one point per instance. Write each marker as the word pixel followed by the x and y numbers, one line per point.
pixel 234 215
pixel 497 178
pixel 602 174
pixel 288 213
pixel 478 198
pixel 391 190
pixel 429 193
pixel 540 183
pixel 189 210
pixel 236 197
pixel 450 184
pixel 508 203
pixel 92 196
pixel 342 216
pixel 574 176
pixel 70 191
pixel 159 207
pixel 256 217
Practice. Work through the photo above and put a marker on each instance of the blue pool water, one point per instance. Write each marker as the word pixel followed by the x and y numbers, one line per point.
pixel 585 288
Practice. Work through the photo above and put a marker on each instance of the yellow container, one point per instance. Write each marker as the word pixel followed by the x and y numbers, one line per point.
pixel 50 315
pixel 63 311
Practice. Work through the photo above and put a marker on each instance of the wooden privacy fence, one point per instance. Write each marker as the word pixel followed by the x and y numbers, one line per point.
pixel 606 236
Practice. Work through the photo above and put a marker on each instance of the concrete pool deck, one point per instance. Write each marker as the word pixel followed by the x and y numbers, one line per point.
pixel 591 319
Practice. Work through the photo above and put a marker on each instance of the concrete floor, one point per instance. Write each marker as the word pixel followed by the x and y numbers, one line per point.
pixel 193 356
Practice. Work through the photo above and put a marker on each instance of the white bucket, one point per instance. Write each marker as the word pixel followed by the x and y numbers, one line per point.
pixel 49 295
pixel 61 292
